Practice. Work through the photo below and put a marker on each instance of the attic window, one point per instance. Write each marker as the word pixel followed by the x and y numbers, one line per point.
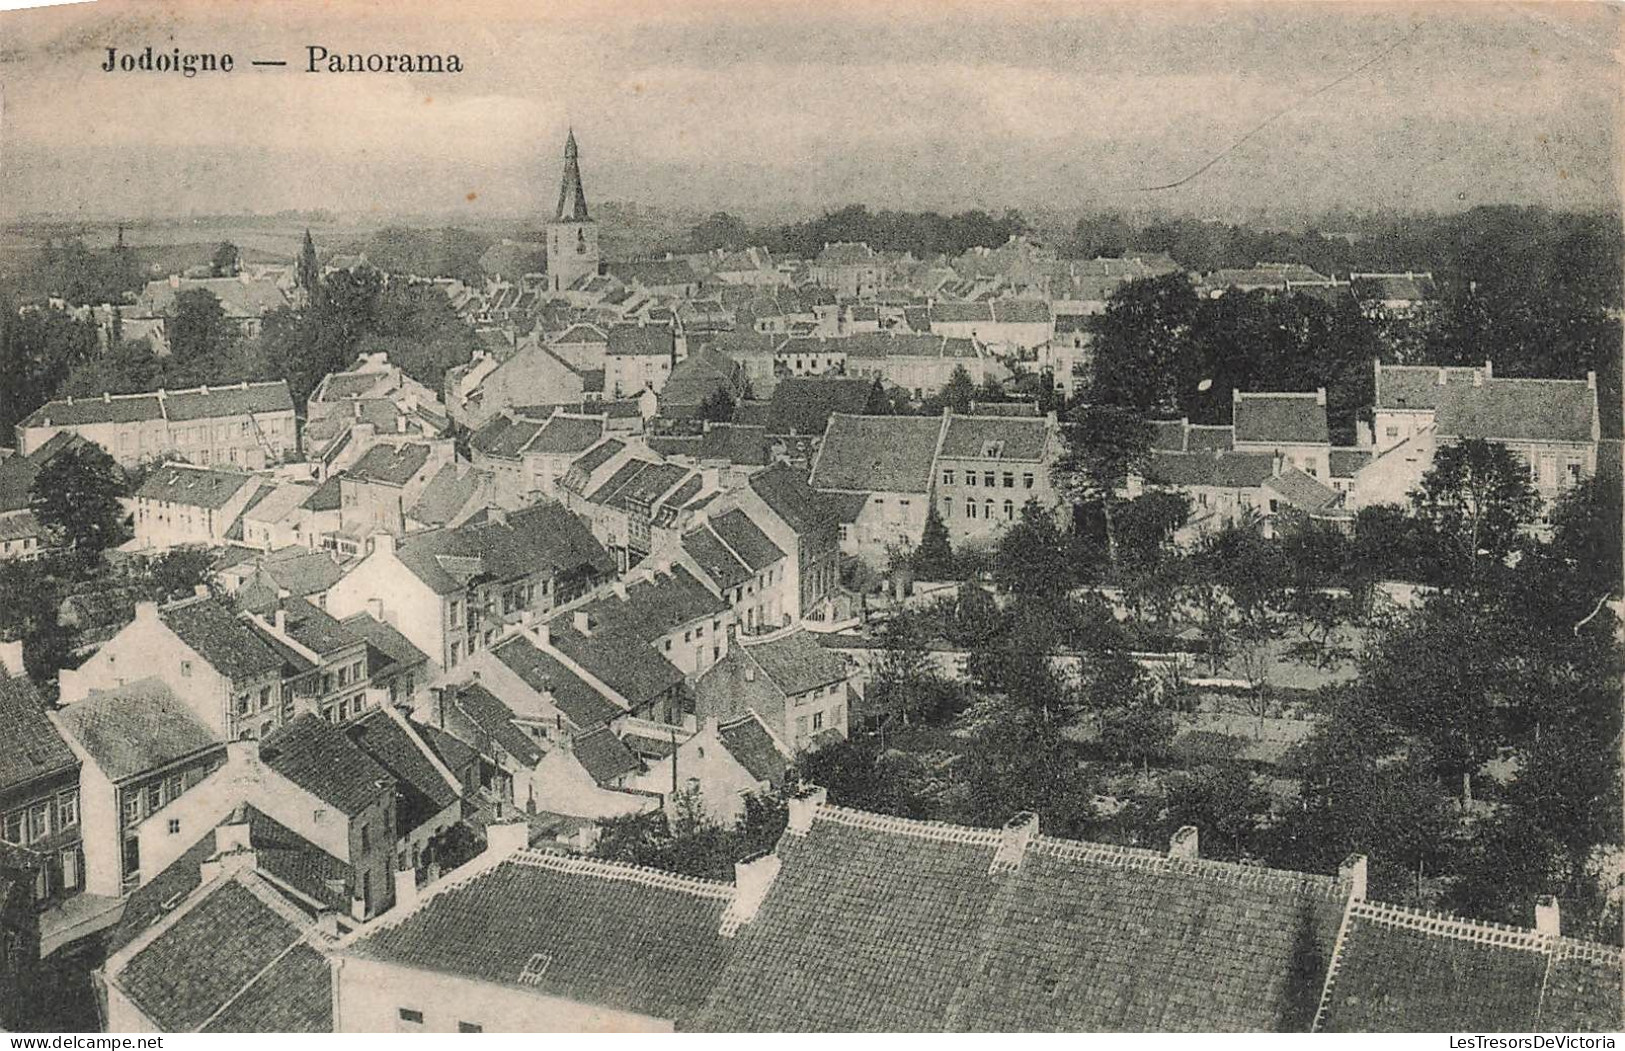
pixel 535 967
pixel 992 450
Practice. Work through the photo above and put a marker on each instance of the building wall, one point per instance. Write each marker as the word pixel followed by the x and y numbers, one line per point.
pixel 1313 458
pixel 813 712
pixel 1393 427
pixel 162 524
pixel 99 828
pixel 147 648
pixel 627 374
pixel 123 1016
pixel 572 252
pixel 370 994
pixel 59 845
pixel 707 771
pixel 1391 475
pixel 408 605
pixel 888 520
pixel 1014 484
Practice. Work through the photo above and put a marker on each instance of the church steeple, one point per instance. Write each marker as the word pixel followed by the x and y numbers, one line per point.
pixel 572 198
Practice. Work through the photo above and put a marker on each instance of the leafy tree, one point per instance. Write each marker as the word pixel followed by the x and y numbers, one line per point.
pixel 934 558
pixel 1034 556
pixel 720 230
pixel 308 272
pixel 717 407
pixel 76 494
pixel 179 571
pixel 1104 447
pixel 860 773
pixel 1146 525
pixel 960 390
pixel 1141 342
pixel 197 326
pixel 1477 498
pixel 904 682
pixel 1226 804
pixel 225 261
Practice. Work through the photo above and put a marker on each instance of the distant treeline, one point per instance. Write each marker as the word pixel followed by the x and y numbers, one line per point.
pixel 921 233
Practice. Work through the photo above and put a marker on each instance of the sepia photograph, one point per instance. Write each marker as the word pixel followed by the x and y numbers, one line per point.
pixel 877 516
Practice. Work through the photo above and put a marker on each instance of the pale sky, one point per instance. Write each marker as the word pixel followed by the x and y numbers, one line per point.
pixel 798 105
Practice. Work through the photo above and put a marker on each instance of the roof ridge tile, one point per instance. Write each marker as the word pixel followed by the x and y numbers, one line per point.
pixel 625 871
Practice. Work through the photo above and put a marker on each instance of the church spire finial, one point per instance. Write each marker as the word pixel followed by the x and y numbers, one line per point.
pixel 572 198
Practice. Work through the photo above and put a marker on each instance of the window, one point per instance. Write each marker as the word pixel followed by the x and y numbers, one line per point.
pixel 1009 480
pixel 970 477
pixel 1392 430
pixel 947 478
pixel 470 1027
pixel 366 837
pixel 1574 469
pixel 11 827
pixel 70 869
pixel 265 698
pixel 186 669
pixel 67 810
pixel 242 704
pixel 818 720
pixel 1010 510
pixel 947 507
pixel 155 797
pixel 989 509
pixel 174 826
pixel 172 787
pixel 987 479
pixel 699 632
pixel 39 822
pixel 970 508
pixel 410 1016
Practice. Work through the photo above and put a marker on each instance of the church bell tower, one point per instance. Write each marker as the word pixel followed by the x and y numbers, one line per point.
pixel 572 236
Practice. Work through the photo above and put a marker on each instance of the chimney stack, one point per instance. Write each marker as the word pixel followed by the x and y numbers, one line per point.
pixel 753 878
pixel 406 888
pixel 1183 844
pixel 281 621
pixel 582 621
pixel 1353 872
pixel 1489 369
pixel 1017 834
pixel 1548 920
pixel 803 807
pixel 618 586
pixel 1320 395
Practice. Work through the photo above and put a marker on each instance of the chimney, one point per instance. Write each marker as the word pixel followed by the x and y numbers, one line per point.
pixel 1320 395
pixel 753 878
pixel 1235 396
pixel 619 587
pixel 1183 845
pixel 234 836
pixel 1442 378
pixel 146 612
pixel 1591 380
pixel 107 399
pixel 582 621
pixel 1014 839
pixel 544 634
pixel 750 673
pixel 1353 871
pixel 1278 464
pixel 375 609
pixel 281 621
pixel 356 404
pixel 382 541
pixel 803 807
pixel 1548 920
pixel 1478 378
pixel 507 839
pixel 1489 369
pixel 174 280
pixel 406 888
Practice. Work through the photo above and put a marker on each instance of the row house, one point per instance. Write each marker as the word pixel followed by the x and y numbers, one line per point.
pixel 796 686
pixel 664 608
pixel 534 374
pixel 140 747
pixel 1288 424
pixel 920 364
pixel 349 431
pixel 179 505
pixel 528 456
pixel 740 564
pixel 370 378
pixel 39 794
pixel 247 425
pixel 244 300
pixel 378 491
pixel 990 467
pixel 878 472
pixel 205 653
pixel 637 358
pixel 852 270
pixel 1016 326
pixel 1233 488
pixel 325 668
pixel 452 592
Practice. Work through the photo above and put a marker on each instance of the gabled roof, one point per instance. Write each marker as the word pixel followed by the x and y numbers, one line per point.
pixel 394 647
pixel 390 464
pixel 450 492
pixel 193 486
pixel 1301 491
pixel 495 719
pixel 1223 470
pixel 1285 418
pixel 220 637
pixel 597 456
pixel 579 700
pixel 180 405
pixel 750 742
pixel 604 756
pixel 1417 387
pixel 596 933
pixel 318 757
pixel 544 536
pixel 504 436
pixel 17 473
pixel 1344 463
pixel 566 434
pixel 1399 970
pixel 420 791
pixel 879 923
pixel 626 664
pixel 1412 287
pixel 715 560
pixel 737 443
pixel 33 748
pixel 747 541
pixel 134 728
pixel 892 454
pixel 995 437
pixel 797 663
pixel 654 606
pixel 1519 410
pixel 786 491
pixel 804 404
pixel 236 961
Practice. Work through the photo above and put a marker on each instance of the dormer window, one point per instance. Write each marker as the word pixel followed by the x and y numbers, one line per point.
pixel 992 450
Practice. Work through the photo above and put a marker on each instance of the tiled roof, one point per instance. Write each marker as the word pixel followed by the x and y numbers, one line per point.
pixel 995 437
pixel 1281 418
pixel 1021 311
pixel 318 757
pixel 534 539
pixel 1226 470
pixel 567 434
pixel 803 508
pixel 581 332
pixel 597 456
pixel 749 741
pixel 327 496
pixel 294 996
pixel 1519 410
pixel 453 754
pixel 1300 490
pixel 127 408
pixel 17 473
pixel 747 541
pixel 420 791
pixel 797 663
pixel 395 647
pixel 301 570
pixel 876 345
pixel 737 443
pixel 180 405
pixel 1207 437
pixel 641 340
pixel 804 404
pixel 1168 435
pixel 877 923
pixel 603 755
pixel 1411 286
pixel 1345 462
pixel 316 629
pixel 220 637
pixel 891 454
pixel 496 720
pixel 33 748
pixel 653 273
pixel 654 607
pixel 504 436
pixel 193 486
pixel 1398 970
pixel 848 506
pixel 717 562
pixel 847 253
pixel 239 298
pixel 626 664
pixel 450 492
pixel 596 933
pixel 20 525
pixel 580 702
pixel 390 464
pixel 207 959
pixel 134 728
pixel 1417 386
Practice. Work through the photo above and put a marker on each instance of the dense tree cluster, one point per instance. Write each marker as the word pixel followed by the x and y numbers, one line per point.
pixel 923 234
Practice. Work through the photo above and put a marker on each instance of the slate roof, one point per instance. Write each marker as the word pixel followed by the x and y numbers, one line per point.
pixel 653 607
pixel 33 748
pixel 797 663
pixel 220 637
pixel 717 562
pixel 1399 970
pixel 737 443
pixel 217 955
pixel 1519 410
pixel 750 742
pixel 626 664
pixel 193 486
pixel 294 996
pixel 995 437
pixel 1225 471
pixel 542 536
pixel 134 728
pixel 603 755
pixel 178 405
pixel 17 473
pixel 327 496
pixel 396 648
pixel 452 489
pixel 301 570
pixel 878 923
pixel 420 791
pixel 1286 418
pixel 127 408
pixel 1168 435
pixel 1345 463
pixel 319 757
pixel 597 456
pixel 1301 491
pixel 608 935
pixel 1207 437
pixel 567 434
pixel 653 273
pixel 747 541
pixel 504 436
pixel 580 702
pixel 890 454
pixel 1417 387
pixel 804 404
pixel 316 629
pixel 496 719
pixel 803 508
pixel 641 340
pixel 390 464
pixel 879 345
pixel 238 298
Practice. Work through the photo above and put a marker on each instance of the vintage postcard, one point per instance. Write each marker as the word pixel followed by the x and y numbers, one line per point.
pixel 870 516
